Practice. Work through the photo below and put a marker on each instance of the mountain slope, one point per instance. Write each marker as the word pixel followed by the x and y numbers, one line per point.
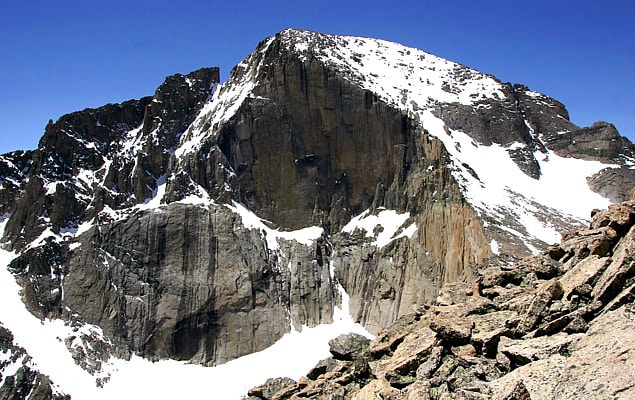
pixel 207 221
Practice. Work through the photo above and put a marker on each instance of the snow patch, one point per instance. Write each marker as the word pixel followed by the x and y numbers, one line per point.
pixel 200 198
pixel 154 202
pixel 304 236
pixel 383 226
pixel 493 245
pixel 396 73
pixel 495 184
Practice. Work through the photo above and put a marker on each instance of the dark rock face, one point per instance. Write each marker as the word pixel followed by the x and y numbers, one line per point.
pixel 39 271
pixel 615 184
pixel 315 149
pixel 599 142
pixel 191 283
pixel 311 148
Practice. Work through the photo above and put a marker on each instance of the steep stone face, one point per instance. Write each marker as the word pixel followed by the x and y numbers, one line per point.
pixel 599 142
pixel 191 283
pixel 615 184
pixel 309 148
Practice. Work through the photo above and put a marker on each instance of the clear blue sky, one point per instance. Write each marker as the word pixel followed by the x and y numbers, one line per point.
pixel 61 56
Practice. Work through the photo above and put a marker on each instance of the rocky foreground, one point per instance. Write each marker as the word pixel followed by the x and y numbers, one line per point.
pixel 559 325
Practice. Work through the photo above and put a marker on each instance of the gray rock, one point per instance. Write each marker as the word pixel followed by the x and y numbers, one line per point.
pixel 594 365
pixel 322 367
pixel 489 328
pixel 517 391
pixel 427 368
pixel 270 388
pixel 585 272
pixel 546 293
pixel 524 351
pixel 349 346
pixel 619 270
pixel 616 184
pixel 451 328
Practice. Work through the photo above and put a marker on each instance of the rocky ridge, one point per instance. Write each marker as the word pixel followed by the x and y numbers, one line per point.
pixel 554 326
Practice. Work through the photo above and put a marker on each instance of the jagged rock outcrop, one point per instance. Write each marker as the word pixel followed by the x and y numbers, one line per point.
pixel 111 157
pixel 14 168
pixel 518 333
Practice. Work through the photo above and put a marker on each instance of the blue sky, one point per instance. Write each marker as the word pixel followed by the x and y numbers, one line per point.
pixel 61 56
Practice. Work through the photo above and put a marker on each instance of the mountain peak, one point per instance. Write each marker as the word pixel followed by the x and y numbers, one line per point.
pixel 330 178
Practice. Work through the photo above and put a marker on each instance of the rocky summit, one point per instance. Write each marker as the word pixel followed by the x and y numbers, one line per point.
pixel 330 184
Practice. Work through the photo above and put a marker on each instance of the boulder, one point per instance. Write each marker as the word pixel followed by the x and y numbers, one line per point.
pixel 546 293
pixel 271 387
pixel 452 328
pixel 349 346
pixel 416 347
pixel 621 268
pixel 427 368
pixel 517 391
pixel 524 351
pixel 322 367
pixel 596 364
pixel 619 217
pixel 586 272
pixel 488 329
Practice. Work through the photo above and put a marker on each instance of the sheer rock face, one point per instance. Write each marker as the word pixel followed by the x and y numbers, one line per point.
pixel 191 283
pixel 120 224
pixel 310 148
pixel 599 142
